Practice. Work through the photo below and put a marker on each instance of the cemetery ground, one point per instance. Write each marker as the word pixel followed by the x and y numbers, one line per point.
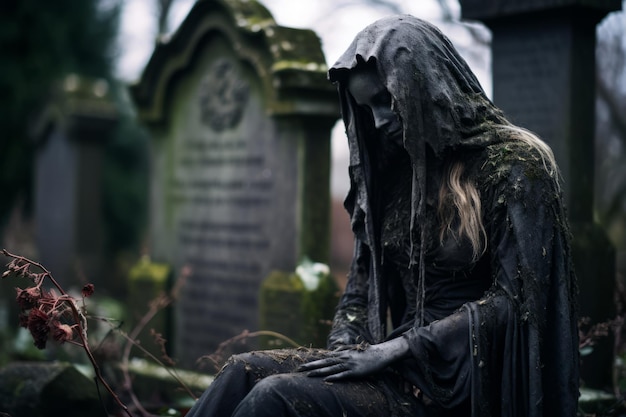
pixel 81 353
pixel 73 357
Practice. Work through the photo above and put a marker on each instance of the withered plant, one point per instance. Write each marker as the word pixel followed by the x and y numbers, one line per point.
pixel 53 314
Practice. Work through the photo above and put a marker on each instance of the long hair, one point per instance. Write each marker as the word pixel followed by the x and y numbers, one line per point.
pixel 459 195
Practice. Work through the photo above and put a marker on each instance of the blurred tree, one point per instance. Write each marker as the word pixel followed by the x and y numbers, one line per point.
pixel 610 159
pixel 125 181
pixel 40 42
pixel 480 36
pixel 610 180
pixel 163 8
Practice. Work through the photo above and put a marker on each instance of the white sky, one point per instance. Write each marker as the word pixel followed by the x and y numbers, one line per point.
pixel 335 26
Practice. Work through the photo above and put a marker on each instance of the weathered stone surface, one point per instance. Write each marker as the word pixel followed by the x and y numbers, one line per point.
pixel 498 9
pixel 299 305
pixel 70 134
pixel 29 389
pixel 240 114
pixel 149 285
pixel 155 384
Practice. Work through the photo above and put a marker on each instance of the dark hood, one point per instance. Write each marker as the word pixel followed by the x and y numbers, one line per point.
pixel 433 90
pixel 435 94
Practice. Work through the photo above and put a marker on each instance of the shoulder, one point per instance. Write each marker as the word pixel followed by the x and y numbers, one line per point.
pixel 514 169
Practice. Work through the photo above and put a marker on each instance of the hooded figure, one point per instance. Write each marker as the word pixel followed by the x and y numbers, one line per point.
pixel 460 300
pixel 513 350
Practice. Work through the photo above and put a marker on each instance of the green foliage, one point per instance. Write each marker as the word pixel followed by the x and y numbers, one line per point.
pixel 40 42
pixel 125 185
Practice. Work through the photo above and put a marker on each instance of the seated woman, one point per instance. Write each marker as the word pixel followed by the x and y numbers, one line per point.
pixel 461 298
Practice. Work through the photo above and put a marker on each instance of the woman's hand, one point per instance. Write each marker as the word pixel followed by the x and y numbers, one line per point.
pixel 357 361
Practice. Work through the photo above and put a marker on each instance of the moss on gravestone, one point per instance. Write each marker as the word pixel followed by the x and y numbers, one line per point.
pixel 299 305
pixel 146 282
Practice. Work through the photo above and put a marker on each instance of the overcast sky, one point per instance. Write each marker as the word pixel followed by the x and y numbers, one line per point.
pixel 336 26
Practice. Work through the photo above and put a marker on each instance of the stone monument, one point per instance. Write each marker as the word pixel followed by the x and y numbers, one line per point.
pixel 240 114
pixel 70 133
pixel 46 389
pixel 544 80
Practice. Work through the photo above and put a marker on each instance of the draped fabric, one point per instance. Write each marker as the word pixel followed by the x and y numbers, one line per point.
pixel 500 332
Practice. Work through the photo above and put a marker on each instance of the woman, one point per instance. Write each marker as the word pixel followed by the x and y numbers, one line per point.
pixel 461 298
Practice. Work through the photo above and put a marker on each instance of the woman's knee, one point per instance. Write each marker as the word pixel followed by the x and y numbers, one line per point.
pixel 245 361
pixel 234 363
pixel 269 397
pixel 255 366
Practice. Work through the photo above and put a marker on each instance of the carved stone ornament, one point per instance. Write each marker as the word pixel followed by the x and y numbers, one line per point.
pixel 223 96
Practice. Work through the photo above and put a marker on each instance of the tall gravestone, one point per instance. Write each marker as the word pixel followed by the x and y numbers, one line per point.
pixel 70 133
pixel 544 80
pixel 240 114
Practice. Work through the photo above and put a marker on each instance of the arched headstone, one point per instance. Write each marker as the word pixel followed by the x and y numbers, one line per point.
pixel 240 114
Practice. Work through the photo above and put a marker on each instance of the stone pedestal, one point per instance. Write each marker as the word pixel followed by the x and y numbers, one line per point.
pixel 148 286
pixel 47 390
pixel 299 305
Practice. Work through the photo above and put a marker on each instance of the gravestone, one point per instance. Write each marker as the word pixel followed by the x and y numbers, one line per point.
pixel 300 305
pixel 148 287
pixel 70 133
pixel 240 114
pixel 544 80
pixel 46 389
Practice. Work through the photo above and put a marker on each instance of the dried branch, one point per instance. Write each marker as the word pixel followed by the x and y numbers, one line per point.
pixel 217 358
pixel 588 334
pixel 46 315
pixel 159 303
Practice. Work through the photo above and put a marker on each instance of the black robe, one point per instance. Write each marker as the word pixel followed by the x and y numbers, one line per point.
pixel 513 350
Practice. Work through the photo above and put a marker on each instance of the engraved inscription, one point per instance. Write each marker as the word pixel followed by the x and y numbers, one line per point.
pixel 222 188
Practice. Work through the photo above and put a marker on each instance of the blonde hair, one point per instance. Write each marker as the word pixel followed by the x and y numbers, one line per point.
pixel 459 195
pixel 533 141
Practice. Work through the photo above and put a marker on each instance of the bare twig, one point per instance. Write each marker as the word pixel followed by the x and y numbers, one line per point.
pixel 162 301
pixel 216 358
pixel 589 336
